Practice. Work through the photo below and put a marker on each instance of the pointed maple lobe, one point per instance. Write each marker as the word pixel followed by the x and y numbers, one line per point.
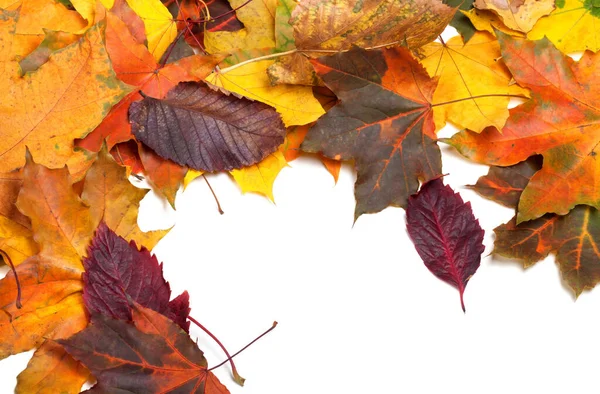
pixel 446 234
pixel 384 123
pixel 116 270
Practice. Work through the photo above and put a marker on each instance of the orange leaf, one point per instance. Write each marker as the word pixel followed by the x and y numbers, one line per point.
pixel 165 175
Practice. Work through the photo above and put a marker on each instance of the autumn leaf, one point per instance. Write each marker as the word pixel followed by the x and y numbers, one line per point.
pixel 161 29
pixel 53 41
pixel 338 25
pixel 46 112
pixel 296 104
pixel 384 123
pixel 115 201
pixel 505 184
pixel 573 26
pixel 165 176
pixel 259 178
pixel 517 14
pixel 114 350
pixel 484 20
pixel 460 21
pixel 136 66
pixel 574 238
pixel 467 71
pixel 211 16
pixel 445 233
pixel 16 237
pixel 116 269
pixel 560 122
pixel 206 129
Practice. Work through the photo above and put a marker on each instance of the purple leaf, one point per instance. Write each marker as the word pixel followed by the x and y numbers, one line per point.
pixel 115 269
pixel 445 233
pixel 207 130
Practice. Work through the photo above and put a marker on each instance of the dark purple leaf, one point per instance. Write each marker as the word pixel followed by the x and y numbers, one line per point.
pixel 445 233
pixel 115 269
pixel 207 130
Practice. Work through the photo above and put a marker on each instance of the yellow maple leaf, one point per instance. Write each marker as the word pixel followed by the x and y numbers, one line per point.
pixel 259 178
pixel 484 20
pixel 573 26
pixel 64 99
pixel 470 70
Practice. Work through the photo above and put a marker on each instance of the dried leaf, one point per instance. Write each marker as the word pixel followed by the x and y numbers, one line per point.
pixel 161 29
pixel 116 269
pixel 445 233
pixel 47 112
pixel 368 23
pixel 466 71
pixel 114 350
pixel 259 178
pixel 206 129
pixel 384 122
pixel 560 122
pixel 573 26
pixel 518 15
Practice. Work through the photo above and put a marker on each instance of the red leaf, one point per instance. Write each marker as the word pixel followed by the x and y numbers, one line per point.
pixel 115 269
pixel 152 355
pixel 445 233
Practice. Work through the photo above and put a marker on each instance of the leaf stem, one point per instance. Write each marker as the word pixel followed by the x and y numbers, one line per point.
pixel 245 347
pixel 214 195
pixel 480 96
pixel 236 376
pixel 292 51
pixel 7 258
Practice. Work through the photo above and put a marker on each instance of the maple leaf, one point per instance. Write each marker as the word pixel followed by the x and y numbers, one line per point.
pixel 468 71
pixel 152 355
pixel 574 238
pixel 445 233
pixel 384 122
pixel 517 14
pixel 573 26
pixel 211 16
pixel 53 41
pixel 369 23
pixel 206 129
pixel 68 108
pixel 489 21
pixel 560 122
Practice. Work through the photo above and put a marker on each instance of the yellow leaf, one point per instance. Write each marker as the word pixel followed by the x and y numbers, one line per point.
pixel 47 109
pixel 60 220
pixel 51 370
pixel 161 30
pixel 488 21
pixel 296 104
pixel 190 176
pixel 469 70
pixel 573 26
pixel 112 198
pixel 258 18
pixel 518 15
pixel 260 177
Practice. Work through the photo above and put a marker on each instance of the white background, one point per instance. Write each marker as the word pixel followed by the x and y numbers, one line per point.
pixel 358 311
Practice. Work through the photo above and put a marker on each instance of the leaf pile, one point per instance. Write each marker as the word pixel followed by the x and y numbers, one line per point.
pixel 97 91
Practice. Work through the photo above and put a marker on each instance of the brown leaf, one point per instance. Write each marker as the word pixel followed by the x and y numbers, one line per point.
pixel 206 129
